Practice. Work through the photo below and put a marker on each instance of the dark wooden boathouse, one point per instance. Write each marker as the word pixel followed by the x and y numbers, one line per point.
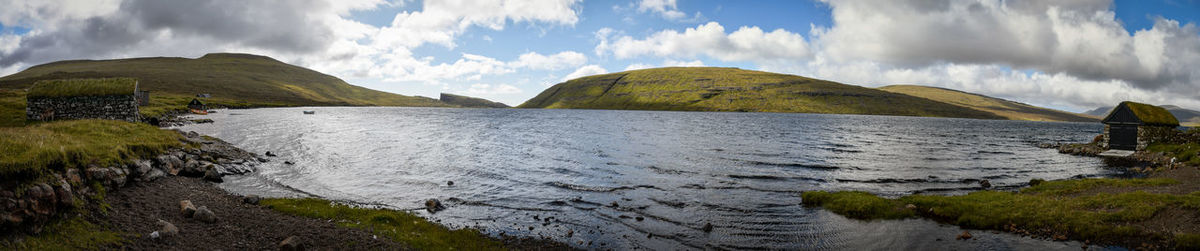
pixel 1133 126
pixel 197 105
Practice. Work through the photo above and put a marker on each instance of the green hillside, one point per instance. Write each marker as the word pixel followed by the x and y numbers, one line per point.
pixel 731 89
pixel 1004 108
pixel 243 79
pixel 473 102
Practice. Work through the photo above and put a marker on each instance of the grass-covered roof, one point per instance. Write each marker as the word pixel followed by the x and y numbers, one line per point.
pixel 1151 115
pixel 83 87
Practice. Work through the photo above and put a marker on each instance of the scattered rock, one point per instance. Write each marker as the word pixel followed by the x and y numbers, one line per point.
pixel 251 199
pixel 292 243
pixel 187 208
pixel 154 174
pixel 1034 182
pixel 964 236
pixel 639 218
pixel 433 206
pixel 985 184
pixel 910 206
pixel 213 175
pixel 289 162
pixel 205 215
pixel 269 154
pixel 73 176
pixel 450 183
pixel 167 229
pixel 708 227
pixel 1060 237
pixel 154 235
pixel 141 167
pixel 570 233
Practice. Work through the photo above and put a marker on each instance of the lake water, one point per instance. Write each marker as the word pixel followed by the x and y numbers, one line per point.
pixel 651 179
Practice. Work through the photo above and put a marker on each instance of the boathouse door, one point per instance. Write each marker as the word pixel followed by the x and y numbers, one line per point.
pixel 1122 137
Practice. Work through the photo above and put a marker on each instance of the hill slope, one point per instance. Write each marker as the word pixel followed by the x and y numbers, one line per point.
pixel 731 89
pixel 244 77
pixel 1004 108
pixel 466 101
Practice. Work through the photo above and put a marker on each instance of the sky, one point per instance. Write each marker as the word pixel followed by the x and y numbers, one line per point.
pixel 1073 55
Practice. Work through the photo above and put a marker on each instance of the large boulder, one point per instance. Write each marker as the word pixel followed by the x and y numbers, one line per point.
pixel 213 175
pixel 141 167
pixel 154 174
pixel 205 215
pixel 434 205
pixel 65 196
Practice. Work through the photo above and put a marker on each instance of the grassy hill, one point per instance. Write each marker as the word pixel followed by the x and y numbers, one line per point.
pixel 731 89
pixel 466 101
pixel 237 79
pixel 1004 108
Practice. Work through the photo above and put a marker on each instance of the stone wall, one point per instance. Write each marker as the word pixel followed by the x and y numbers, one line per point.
pixel 123 107
pixel 1146 136
pixel 1151 134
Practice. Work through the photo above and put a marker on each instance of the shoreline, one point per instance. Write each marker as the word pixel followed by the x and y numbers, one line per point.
pixel 120 207
pixel 1158 209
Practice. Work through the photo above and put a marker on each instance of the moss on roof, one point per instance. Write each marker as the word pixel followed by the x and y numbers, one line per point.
pixel 1151 115
pixel 83 87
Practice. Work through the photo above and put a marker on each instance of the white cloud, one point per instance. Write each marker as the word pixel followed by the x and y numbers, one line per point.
pixel 666 8
pixel 1078 38
pixel 561 60
pixel 584 71
pixel 745 44
pixel 490 90
pixel 666 63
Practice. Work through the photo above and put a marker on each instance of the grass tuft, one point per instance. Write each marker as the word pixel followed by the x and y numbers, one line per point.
pixel 67 234
pixel 83 87
pixel 33 150
pixel 400 226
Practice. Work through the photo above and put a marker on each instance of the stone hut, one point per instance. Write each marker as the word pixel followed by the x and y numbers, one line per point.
pixel 1133 126
pixel 197 105
pixel 109 98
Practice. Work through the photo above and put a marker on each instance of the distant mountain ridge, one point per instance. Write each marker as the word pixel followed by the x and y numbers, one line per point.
pixel 470 102
pixel 731 89
pixel 234 76
pixel 1008 109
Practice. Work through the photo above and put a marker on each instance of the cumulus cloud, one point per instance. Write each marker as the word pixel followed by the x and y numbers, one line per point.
pixel 710 39
pixel 489 89
pixel 584 71
pixel 1078 38
pixel 666 8
pixel 666 63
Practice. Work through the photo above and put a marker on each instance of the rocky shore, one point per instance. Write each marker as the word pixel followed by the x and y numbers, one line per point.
pixel 169 202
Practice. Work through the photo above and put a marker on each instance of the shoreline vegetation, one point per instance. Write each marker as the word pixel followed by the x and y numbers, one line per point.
pixel 1158 211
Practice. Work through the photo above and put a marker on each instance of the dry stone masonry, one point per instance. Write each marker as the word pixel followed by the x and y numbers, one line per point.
pixel 83 107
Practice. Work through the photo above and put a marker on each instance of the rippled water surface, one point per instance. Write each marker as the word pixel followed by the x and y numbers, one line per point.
pixel 647 179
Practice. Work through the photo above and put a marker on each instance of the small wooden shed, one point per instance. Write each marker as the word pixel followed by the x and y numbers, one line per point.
pixel 1133 126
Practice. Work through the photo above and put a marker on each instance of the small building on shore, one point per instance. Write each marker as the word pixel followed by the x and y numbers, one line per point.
pixel 197 105
pixel 64 99
pixel 1133 126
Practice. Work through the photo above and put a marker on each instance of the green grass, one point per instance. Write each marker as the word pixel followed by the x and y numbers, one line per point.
pixel 231 77
pixel 1188 153
pixel 400 226
pixel 1008 109
pixel 12 108
pixel 1044 206
pixel 730 89
pixel 72 233
pixel 1150 114
pixel 83 87
pixel 31 151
